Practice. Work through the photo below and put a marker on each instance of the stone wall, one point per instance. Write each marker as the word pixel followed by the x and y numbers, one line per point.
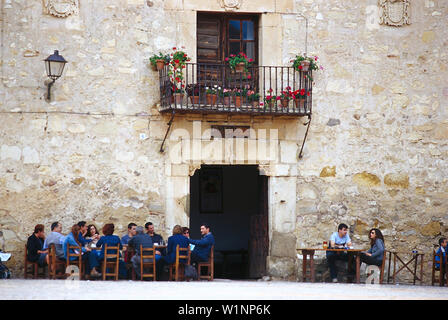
pixel 374 157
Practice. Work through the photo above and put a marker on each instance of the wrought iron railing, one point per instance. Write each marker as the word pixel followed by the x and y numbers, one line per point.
pixel 233 89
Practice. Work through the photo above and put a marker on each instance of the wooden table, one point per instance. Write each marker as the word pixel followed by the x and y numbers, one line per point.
pixel 415 257
pixel 309 252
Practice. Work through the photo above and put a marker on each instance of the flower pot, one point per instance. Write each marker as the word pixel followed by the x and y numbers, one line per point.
pixel 255 104
pixel 300 103
pixel 240 67
pixel 305 64
pixel 178 97
pixel 238 101
pixel 211 99
pixel 227 101
pixel 284 103
pixel 270 104
pixel 194 99
pixel 160 64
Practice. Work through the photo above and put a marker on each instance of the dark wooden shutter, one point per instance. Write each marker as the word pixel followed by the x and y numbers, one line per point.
pixel 209 39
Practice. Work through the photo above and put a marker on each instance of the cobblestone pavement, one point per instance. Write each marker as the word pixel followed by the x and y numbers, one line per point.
pixel 220 289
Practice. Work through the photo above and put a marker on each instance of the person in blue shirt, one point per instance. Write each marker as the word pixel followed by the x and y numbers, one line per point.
pixel 442 249
pixel 82 233
pixel 176 239
pixel 56 238
pixel 111 240
pixel 202 247
pixel 73 239
pixel 132 227
pixel 374 256
pixel 338 240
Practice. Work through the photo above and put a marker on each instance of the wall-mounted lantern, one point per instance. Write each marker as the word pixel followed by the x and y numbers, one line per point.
pixel 54 65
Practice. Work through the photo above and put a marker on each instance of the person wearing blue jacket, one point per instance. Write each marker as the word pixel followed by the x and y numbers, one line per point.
pixel 442 249
pixel 73 239
pixel 176 239
pixel 111 240
pixel 374 256
pixel 202 247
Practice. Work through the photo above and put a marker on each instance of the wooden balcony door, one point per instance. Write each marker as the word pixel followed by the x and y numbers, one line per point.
pixel 220 35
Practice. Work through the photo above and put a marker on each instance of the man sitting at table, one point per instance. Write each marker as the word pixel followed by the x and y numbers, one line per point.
pixel 441 250
pixel 131 232
pixel 144 240
pixel 338 240
pixel 202 247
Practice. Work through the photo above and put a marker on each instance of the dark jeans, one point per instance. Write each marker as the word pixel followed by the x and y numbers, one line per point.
pixel 332 256
pixel 369 260
pixel 197 258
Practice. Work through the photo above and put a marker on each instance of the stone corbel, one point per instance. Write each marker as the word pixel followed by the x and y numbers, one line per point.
pixel 230 5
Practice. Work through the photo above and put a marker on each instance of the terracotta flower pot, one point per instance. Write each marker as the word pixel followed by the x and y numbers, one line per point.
pixel 300 103
pixel 255 104
pixel 305 65
pixel 194 99
pixel 160 64
pixel 178 97
pixel 227 101
pixel 211 99
pixel 240 67
pixel 238 101
pixel 284 103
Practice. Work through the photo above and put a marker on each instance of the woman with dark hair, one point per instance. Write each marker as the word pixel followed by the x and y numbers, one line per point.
pixel 376 252
pixel 72 239
pixel 112 241
pixel 92 234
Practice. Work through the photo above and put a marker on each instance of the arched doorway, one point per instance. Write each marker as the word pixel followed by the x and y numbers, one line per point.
pixel 232 199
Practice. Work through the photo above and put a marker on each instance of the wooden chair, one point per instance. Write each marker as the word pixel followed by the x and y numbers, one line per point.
pixel 55 264
pixel 442 273
pixel 77 253
pixel 177 268
pixel 34 267
pixel 148 253
pixel 111 260
pixel 209 265
pixel 382 267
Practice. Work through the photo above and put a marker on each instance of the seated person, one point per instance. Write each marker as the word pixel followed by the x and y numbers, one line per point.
pixel 374 255
pixel 131 232
pixel 92 235
pixel 156 238
pixel 442 249
pixel 144 240
pixel 82 233
pixel 202 247
pixel 72 239
pixel 56 238
pixel 339 239
pixel 34 246
pixel 111 240
pixel 176 239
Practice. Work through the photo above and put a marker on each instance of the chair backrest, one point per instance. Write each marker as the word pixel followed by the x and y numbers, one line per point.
pixel 111 252
pixel 148 253
pixel 74 251
pixel 183 254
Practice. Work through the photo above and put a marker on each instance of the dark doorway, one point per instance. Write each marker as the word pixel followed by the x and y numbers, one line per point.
pixel 233 201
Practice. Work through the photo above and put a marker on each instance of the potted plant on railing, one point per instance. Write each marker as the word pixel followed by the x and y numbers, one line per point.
pixel 226 95
pixel 178 93
pixel 239 95
pixel 285 96
pixel 270 100
pixel 239 62
pixel 193 92
pixel 300 97
pixel 179 58
pixel 303 63
pixel 211 94
pixel 253 97
pixel 158 61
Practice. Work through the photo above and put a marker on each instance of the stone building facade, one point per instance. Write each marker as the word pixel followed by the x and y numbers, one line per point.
pixel 375 154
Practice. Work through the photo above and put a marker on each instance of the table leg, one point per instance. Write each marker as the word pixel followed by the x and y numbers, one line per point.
pixel 304 266
pixel 388 268
pixel 358 263
pixel 395 261
pixel 415 267
pixel 312 267
pixel 421 270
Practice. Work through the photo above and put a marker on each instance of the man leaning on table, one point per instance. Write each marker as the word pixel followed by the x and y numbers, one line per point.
pixel 338 240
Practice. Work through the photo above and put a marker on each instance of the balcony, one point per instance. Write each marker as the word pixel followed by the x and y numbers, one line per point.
pixel 233 88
